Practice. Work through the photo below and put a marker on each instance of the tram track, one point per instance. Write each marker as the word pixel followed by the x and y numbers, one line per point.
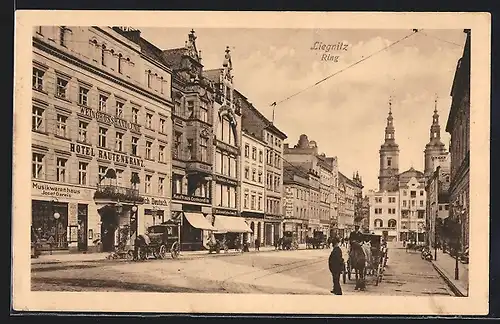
pixel 229 284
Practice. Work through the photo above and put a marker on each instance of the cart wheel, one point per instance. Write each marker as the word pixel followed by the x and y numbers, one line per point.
pixel 130 255
pixel 162 251
pixel 174 250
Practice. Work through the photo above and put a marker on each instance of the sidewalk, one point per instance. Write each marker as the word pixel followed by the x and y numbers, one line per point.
pixel 445 266
pixel 101 256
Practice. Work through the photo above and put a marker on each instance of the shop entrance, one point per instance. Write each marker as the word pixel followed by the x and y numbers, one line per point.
pixel 82 227
pixel 109 224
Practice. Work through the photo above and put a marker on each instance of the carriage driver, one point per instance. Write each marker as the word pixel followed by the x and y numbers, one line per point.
pixel 357 235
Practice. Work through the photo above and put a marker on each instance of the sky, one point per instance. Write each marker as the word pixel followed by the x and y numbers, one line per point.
pixel 346 114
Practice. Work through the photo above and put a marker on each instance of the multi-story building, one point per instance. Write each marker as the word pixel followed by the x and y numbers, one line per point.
pixel 101 121
pixel 348 191
pixel 459 128
pixel 265 131
pixel 322 178
pixel 384 213
pixel 297 183
pixel 365 222
pixel 358 199
pixel 412 197
pixel 252 182
pixel 437 207
pixel 334 202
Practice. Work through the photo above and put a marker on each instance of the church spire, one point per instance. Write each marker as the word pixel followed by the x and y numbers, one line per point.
pixel 389 129
pixel 435 130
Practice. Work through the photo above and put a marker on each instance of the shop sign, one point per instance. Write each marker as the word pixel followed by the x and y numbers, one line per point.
pixel 225 180
pixel 105 154
pixel 109 119
pixel 228 212
pixel 201 200
pixel 289 202
pixel 313 222
pixel 59 191
pixel 155 201
pixel 72 214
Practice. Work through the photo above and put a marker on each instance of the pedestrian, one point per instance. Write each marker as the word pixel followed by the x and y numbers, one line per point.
pixel 257 245
pixel 336 266
pixel 276 243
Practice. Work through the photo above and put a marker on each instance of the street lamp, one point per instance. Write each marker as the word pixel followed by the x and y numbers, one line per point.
pixel 458 210
pixel 435 234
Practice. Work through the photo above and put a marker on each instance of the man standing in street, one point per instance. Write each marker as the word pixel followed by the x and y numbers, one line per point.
pixel 336 265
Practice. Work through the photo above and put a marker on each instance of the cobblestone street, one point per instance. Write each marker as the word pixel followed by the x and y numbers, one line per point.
pixel 273 272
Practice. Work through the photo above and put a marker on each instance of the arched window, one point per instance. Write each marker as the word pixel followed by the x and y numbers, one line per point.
pixel 378 223
pixel 391 223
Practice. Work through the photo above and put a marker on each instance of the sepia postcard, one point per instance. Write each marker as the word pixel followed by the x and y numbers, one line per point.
pixel 332 163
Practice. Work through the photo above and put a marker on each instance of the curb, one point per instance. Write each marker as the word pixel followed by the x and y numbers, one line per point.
pixel 181 257
pixel 449 282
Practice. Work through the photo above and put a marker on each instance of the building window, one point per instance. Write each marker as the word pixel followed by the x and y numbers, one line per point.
pixel 61 126
pixel 101 173
pixel 190 109
pixel 421 214
pixel 119 177
pixel 389 161
pixel 161 182
pixel 261 156
pixel 177 145
pixel 247 150
pixel 404 193
pixel 378 223
pixel 252 202
pixel 38 79
pixel 135 115
pixel 260 177
pixel 62 87
pixel 162 125
pixel 413 203
pixel 102 103
pixel 102 136
pixel 147 183
pixel 83 96
pixel 446 207
pixel 177 184
pixel 254 153
pixel 413 194
pixel 161 153
pixel 82 173
pixel 37 119
pixel 119 142
pixel 245 201
pixel 392 199
pixel 391 223
pixel 378 200
pixel 82 131
pixel 37 168
pixel 149 145
pixel 204 149
pixel 421 203
pixel 247 173
pixel 203 112
pixel 404 203
pixel 421 192
pixel 259 203
pixel 119 109
pixel 225 164
pixel 149 120
pixel 135 142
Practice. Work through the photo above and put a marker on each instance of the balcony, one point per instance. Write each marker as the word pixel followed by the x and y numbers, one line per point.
pixel 116 193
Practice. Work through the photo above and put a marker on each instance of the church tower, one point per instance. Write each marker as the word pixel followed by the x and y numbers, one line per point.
pixel 389 157
pixel 435 147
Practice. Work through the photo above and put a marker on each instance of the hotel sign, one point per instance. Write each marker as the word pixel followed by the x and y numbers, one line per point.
pixel 105 154
pixel 59 191
pixel 228 212
pixel 220 178
pixel 108 119
pixel 201 200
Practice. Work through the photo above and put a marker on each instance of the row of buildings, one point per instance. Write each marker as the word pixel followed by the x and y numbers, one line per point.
pixel 126 135
pixel 432 205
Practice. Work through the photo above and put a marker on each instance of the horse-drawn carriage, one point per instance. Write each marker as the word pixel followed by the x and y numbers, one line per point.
pixel 318 241
pixel 368 257
pixel 290 241
pixel 158 241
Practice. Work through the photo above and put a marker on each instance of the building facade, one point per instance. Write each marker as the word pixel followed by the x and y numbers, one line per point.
pixel 262 129
pixel 412 206
pixel 437 190
pixel 389 157
pixel 435 147
pixel 100 138
pixel 384 211
pixel 348 191
pixel 252 184
pixel 458 126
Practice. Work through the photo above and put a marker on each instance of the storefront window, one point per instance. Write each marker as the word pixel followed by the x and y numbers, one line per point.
pixel 50 231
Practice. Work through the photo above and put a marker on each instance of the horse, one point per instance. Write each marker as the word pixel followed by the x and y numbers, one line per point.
pixel 357 261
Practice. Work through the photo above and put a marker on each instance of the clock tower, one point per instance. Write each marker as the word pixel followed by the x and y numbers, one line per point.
pixel 389 157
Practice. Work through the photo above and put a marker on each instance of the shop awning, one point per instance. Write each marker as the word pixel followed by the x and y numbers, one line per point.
pixel 199 221
pixel 231 224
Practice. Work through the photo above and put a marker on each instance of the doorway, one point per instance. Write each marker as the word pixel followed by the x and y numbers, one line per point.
pixel 82 227
pixel 109 224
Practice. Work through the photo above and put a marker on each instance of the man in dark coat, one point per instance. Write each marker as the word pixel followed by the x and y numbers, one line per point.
pixel 336 266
